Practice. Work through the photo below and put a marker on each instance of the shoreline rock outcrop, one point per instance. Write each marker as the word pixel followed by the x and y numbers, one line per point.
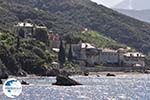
pixel 86 73
pixel 109 74
pixel 65 81
pixel 1 81
pixel 24 82
pixel 3 75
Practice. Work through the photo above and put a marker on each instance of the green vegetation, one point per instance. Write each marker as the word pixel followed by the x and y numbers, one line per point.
pixel 94 38
pixel 6 38
pixel 70 55
pixel 71 67
pixel 67 16
pixel 61 54
pixel 31 55
pixel 41 35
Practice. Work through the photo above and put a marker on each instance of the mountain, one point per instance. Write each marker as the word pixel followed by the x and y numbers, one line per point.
pixel 67 16
pixel 143 15
pixel 133 4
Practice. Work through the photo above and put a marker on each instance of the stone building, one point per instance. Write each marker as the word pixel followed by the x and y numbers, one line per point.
pixel 26 30
pixel 134 59
pixel 109 56
pixel 84 52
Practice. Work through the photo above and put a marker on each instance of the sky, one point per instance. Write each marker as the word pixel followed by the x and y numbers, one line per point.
pixel 108 3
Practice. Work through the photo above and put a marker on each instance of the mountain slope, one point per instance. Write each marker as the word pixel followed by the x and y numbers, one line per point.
pixel 93 37
pixel 65 16
pixel 143 15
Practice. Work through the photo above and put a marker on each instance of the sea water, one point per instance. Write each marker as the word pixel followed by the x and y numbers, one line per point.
pixel 121 87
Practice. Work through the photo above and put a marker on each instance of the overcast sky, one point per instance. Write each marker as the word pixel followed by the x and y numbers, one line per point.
pixel 108 3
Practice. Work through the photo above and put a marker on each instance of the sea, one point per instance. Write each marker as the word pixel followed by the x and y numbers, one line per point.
pixel 121 87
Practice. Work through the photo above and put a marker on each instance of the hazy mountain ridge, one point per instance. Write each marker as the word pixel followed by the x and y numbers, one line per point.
pixel 143 15
pixel 133 4
pixel 65 16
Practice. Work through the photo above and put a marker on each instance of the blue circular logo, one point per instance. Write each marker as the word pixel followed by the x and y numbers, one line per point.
pixel 12 88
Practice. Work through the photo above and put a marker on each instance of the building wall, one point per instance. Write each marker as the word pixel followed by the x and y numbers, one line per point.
pixel 109 57
pixel 132 61
pixel 54 44
pixel 92 56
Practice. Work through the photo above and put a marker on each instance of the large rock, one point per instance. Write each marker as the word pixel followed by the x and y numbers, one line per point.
pixel 40 70
pixel 86 73
pixel 109 74
pixel 24 82
pixel 1 81
pixel 65 81
pixel 3 74
pixel 3 71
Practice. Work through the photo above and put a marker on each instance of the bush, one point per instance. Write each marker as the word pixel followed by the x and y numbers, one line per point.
pixel 73 67
pixel 7 38
pixel 92 37
pixel 40 53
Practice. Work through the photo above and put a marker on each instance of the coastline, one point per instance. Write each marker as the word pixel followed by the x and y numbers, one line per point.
pixel 98 74
pixel 116 73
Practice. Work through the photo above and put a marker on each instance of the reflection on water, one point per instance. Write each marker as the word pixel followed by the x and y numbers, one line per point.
pixel 135 87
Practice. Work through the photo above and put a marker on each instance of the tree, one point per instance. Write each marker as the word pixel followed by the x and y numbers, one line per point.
pixel 21 33
pixel 41 35
pixel 61 55
pixel 18 43
pixel 70 56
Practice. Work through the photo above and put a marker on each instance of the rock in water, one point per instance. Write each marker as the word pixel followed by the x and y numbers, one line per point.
pixel 4 76
pixel 98 75
pixel 3 73
pixel 65 81
pixel 1 81
pixel 110 74
pixel 24 82
pixel 86 73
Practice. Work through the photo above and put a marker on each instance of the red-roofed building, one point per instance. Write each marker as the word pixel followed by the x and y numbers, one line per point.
pixel 55 39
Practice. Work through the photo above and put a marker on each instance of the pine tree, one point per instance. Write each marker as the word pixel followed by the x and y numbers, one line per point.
pixel 18 43
pixel 61 55
pixel 70 56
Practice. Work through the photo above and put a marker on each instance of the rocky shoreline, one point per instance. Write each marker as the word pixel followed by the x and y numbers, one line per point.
pixel 63 79
pixel 56 72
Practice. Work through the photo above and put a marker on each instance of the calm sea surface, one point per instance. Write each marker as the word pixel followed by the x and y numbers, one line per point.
pixel 123 87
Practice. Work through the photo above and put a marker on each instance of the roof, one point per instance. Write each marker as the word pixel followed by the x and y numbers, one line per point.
pixel 134 54
pixel 22 24
pixel 29 25
pixel 44 27
pixel 87 45
pixel 109 50
pixel 55 49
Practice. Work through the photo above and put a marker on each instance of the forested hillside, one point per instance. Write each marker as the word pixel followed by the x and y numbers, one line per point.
pixel 67 16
